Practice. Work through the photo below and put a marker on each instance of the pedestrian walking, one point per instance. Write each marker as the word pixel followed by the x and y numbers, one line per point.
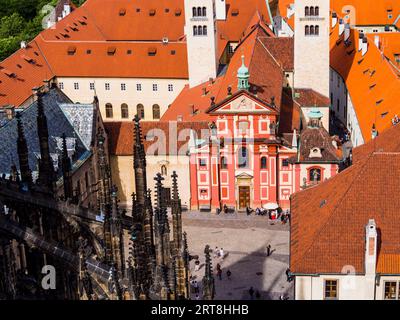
pixel 228 274
pixel 196 287
pixel 197 297
pixel 216 252
pixel 219 273
pixel 251 293
pixel 268 250
pixel 258 295
pixel 221 253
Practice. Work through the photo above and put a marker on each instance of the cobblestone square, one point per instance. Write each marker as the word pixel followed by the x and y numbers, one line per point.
pixel 244 241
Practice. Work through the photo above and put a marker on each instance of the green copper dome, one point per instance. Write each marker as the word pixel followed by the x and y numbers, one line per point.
pixel 315 114
pixel 243 76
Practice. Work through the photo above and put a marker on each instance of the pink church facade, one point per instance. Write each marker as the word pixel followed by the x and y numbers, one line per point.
pixel 245 163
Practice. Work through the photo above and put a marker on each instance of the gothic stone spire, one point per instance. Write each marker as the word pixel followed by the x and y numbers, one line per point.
pixel 23 154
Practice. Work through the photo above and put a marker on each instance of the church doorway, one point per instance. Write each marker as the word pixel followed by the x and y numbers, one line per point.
pixel 244 197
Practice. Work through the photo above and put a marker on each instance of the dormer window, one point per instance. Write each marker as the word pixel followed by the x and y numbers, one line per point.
pixel 315 153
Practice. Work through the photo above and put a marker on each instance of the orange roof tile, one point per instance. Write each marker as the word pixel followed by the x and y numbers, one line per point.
pixel 372 84
pixel 117 59
pixel 387 141
pixel 29 68
pixel 388 264
pixel 328 221
pixel 368 12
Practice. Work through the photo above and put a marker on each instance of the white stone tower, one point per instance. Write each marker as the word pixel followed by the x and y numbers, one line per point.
pixel 200 30
pixel 311 45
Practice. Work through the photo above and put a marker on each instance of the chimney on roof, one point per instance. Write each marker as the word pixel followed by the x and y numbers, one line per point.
pixel 23 44
pixel 360 41
pixel 204 90
pixel 212 101
pixel 341 27
pixel 10 112
pixel 192 110
pixel 229 91
pixel 47 84
pixel 371 246
pixel 364 46
pixel 35 92
pixel 377 41
pixel 334 19
pixel 346 32
pixel 374 132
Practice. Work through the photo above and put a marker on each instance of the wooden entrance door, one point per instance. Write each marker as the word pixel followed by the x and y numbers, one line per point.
pixel 244 197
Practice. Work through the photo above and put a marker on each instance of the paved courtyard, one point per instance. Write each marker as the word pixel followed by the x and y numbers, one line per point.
pixel 244 240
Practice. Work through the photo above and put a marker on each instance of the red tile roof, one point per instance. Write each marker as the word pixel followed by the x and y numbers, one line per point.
pixel 117 59
pixel 369 12
pixel 328 220
pixel 372 84
pixel 27 69
pixel 387 141
pixel 121 136
pixel 125 25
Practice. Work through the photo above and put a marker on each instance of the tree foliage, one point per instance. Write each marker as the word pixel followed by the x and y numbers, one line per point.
pixel 21 20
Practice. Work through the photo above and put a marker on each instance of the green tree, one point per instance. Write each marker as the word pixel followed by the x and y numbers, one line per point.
pixel 11 26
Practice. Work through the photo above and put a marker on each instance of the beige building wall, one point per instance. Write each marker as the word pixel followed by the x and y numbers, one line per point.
pixel 124 178
pixel 130 96
pixel 311 58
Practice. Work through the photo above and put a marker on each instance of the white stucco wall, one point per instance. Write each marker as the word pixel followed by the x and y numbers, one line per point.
pixel 353 125
pixel 130 96
pixel 350 287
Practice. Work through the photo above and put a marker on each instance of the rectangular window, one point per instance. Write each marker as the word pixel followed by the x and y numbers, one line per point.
pixel 331 290
pixel 61 85
pixel 107 86
pixel 91 86
pixel 202 162
pixel 170 87
pixel 285 163
pixel 155 87
pixel 392 290
pixel 139 87
pixel 123 87
pixel 76 86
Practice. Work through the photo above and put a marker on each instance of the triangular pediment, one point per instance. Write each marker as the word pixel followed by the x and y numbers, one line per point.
pixel 242 102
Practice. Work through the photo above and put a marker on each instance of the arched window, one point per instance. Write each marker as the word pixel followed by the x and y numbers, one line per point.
pixel 264 163
pixel 140 111
pixel 164 171
pixel 194 12
pixel 124 111
pixel 316 11
pixel 307 11
pixel 195 31
pixel 109 110
pixel 312 12
pixel 224 163
pixel 243 158
pixel 315 174
pixel 156 112
pixel 316 30
pixel 204 30
pixel 199 12
pixel 204 12
pixel 200 30
pixel 307 30
pixel 312 30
